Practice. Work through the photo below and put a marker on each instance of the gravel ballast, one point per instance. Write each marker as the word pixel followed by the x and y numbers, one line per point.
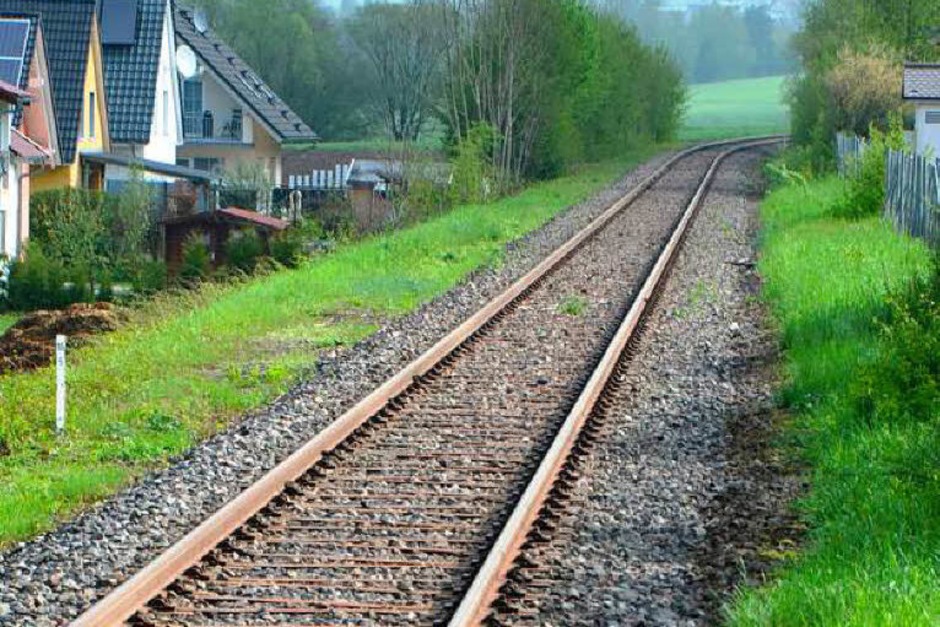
pixel 49 580
pixel 681 498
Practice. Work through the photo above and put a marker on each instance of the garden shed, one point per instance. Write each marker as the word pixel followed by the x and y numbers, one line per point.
pixel 215 227
pixel 922 89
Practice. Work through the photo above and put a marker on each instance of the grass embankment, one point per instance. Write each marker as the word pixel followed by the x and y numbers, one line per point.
pixel 738 108
pixel 7 320
pixel 866 420
pixel 187 364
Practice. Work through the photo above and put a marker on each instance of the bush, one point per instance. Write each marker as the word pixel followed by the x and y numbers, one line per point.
pixel 287 247
pixel 243 249
pixel 151 277
pixel 197 262
pixel 865 193
pixel 864 88
pixel 39 282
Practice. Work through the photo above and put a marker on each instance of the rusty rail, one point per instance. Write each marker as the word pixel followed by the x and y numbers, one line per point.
pixel 136 592
pixel 476 603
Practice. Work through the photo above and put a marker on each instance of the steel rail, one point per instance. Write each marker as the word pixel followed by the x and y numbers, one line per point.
pixel 132 595
pixel 476 603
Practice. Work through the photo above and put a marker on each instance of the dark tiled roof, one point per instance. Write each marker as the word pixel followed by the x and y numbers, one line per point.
pixel 241 79
pixel 66 26
pixel 922 81
pixel 130 76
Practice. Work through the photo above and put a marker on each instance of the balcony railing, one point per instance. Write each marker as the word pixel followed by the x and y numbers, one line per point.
pixel 206 127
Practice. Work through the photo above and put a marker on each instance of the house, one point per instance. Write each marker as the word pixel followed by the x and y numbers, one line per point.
pixel 230 116
pixel 72 50
pixel 11 215
pixel 26 124
pixel 142 93
pixel 921 88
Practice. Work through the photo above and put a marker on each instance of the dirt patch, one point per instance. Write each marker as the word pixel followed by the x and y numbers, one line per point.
pixel 30 343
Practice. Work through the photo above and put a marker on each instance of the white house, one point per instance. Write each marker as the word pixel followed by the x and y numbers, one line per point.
pixel 230 115
pixel 922 89
pixel 138 47
pixel 12 233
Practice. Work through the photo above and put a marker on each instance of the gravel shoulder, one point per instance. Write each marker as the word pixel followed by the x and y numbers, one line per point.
pixel 681 499
pixel 51 579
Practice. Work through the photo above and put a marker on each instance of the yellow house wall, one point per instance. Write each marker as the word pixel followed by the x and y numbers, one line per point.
pixel 70 175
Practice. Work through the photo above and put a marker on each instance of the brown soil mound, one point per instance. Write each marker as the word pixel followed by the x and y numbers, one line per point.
pixel 30 343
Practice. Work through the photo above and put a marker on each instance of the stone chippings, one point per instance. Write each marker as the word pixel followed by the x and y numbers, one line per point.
pixel 51 579
pixel 681 497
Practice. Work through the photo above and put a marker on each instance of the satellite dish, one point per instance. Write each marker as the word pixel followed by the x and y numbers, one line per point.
pixel 200 20
pixel 186 61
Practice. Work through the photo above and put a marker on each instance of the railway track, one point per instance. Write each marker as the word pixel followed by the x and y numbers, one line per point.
pixel 411 507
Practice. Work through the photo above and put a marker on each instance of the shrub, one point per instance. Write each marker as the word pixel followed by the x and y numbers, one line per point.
pixel 865 193
pixel 287 247
pixel 151 277
pixel 864 88
pixel 197 262
pixel 243 249
pixel 39 282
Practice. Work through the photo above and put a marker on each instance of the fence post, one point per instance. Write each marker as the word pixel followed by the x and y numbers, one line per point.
pixel 60 342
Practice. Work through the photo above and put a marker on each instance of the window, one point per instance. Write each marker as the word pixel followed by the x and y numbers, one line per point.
pixel 192 106
pixel 166 113
pixel 182 162
pixel 208 164
pixel 91 115
pixel 932 117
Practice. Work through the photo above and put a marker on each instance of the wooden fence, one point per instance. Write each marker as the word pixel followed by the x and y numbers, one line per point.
pixel 849 151
pixel 912 195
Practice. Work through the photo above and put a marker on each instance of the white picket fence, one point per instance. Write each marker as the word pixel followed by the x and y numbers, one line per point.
pixel 336 179
pixel 912 195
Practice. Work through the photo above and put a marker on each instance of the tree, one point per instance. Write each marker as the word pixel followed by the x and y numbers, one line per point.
pixel 403 45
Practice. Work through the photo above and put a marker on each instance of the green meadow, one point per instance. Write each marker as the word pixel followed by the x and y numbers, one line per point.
pixel 737 108
pixel 853 306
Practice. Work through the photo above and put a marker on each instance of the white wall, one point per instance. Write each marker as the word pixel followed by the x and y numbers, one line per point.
pixel 215 98
pixel 9 188
pixel 164 139
pixel 928 135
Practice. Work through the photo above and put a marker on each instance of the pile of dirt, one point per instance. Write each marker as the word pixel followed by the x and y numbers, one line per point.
pixel 30 343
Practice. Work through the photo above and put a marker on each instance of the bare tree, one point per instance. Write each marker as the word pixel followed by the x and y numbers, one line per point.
pixel 494 75
pixel 403 44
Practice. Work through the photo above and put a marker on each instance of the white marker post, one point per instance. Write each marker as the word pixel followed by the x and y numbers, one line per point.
pixel 59 384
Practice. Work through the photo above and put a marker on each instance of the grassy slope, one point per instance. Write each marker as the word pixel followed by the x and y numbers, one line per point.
pixel 188 363
pixel 7 320
pixel 736 108
pixel 872 552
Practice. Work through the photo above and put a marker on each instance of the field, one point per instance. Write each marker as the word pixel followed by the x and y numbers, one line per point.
pixel 862 369
pixel 735 108
pixel 187 364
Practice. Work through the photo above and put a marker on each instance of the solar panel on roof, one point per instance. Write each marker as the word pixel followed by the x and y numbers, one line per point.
pixel 118 22
pixel 10 70
pixel 13 34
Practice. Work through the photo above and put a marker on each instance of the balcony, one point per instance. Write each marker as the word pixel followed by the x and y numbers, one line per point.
pixel 208 128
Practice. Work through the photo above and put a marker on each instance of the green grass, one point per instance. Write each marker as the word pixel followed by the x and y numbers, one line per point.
pixel 186 364
pixel 872 555
pixel 736 108
pixel 7 320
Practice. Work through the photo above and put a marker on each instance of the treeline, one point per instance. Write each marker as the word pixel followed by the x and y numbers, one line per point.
pixel 531 85
pixel 713 42
pixel 851 55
